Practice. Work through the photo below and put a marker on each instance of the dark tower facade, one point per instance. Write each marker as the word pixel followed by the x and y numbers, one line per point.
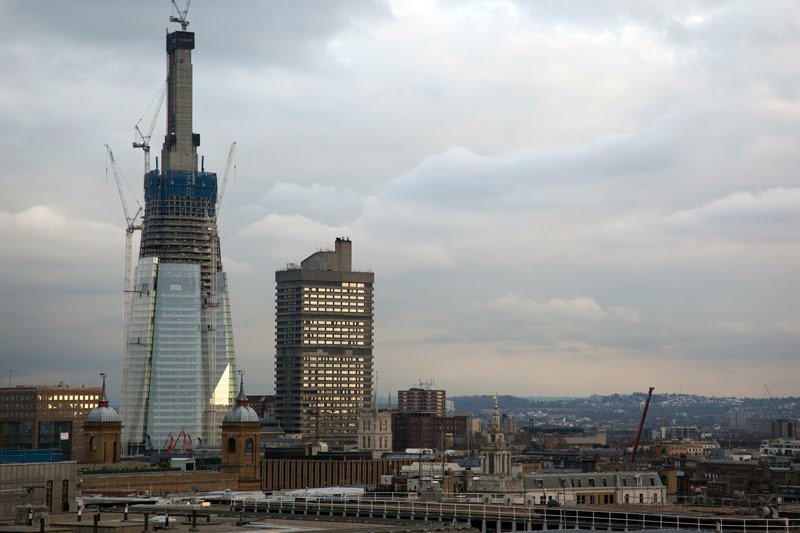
pixel 179 366
pixel 323 330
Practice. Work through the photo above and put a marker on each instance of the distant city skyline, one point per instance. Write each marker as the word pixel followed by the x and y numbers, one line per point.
pixel 561 199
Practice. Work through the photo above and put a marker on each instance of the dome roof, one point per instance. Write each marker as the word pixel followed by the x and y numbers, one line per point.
pixel 241 412
pixel 103 412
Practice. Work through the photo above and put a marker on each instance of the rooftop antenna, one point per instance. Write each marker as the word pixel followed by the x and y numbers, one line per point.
pixel 181 18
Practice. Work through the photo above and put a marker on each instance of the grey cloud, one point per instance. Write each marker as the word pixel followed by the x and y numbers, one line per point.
pixel 771 215
pixel 324 203
pixel 638 155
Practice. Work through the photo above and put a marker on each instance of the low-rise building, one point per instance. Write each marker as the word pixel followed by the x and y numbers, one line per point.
pixel 327 470
pixel 423 430
pixel 598 438
pixel 50 486
pixel 699 448
pixel 780 447
pixel 632 488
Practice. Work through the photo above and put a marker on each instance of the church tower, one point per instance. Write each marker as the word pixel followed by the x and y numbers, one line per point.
pixel 102 431
pixel 495 453
pixel 241 442
pixel 375 430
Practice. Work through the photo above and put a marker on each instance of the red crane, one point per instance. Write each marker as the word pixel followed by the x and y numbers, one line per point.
pixel 184 440
pixel 641 424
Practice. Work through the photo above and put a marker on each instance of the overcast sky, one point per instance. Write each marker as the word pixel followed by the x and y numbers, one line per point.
pixel 557 198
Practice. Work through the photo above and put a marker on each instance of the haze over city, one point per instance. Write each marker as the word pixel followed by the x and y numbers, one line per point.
pixel 556 199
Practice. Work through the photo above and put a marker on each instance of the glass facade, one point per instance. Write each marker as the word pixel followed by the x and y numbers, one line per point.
pixel 16 435
pixel 170 383
pixel 137 364
pixel 176 382
pixel 56 434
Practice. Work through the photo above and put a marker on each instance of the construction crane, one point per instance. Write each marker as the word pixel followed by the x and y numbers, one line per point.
pixel 228 163
pixel 143 141
pixel 774 403
pixel 212 305
pixel 641 424
pixel 183 442
pixel 133 224
pixel 181 18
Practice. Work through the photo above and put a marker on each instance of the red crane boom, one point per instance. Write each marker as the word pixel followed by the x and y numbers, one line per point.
pixel 641 424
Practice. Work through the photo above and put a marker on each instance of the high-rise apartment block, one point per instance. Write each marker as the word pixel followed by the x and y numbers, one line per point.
pixel 422 400
pixel 323 364
pixel 784 428
pixel 179 368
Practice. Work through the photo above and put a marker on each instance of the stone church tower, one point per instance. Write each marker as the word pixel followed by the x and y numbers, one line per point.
pixel 495 453
pixel 241 442
pixel 375 430
pixel 102 432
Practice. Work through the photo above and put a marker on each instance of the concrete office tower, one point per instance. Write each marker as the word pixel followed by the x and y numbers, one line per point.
pixel 323 364
pixel 179 368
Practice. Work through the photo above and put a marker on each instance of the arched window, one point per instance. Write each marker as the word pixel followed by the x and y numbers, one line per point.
pixel 92 444
pixel 231 445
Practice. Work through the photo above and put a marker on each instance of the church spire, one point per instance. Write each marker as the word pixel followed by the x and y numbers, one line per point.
pixel 103 397
pixel 496 415
pixel 241 399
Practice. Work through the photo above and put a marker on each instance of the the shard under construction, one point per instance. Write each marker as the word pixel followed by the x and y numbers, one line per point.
pixel 179 368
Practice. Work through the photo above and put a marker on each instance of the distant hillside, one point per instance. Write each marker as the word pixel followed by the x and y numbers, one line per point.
pixel 622 407
pixel 476 403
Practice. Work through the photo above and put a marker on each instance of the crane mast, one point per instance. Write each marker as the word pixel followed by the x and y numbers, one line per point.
pixel 133 223
pixel 212 305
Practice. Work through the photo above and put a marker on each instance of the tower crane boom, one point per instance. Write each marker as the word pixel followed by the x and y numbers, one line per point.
pixel 131 221
pixel 774 403
pixel 228 163
pixel 641 424
pixel 181 18
pixel 143 140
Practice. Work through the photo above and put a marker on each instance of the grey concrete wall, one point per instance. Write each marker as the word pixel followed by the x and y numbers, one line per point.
pixel 28 483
